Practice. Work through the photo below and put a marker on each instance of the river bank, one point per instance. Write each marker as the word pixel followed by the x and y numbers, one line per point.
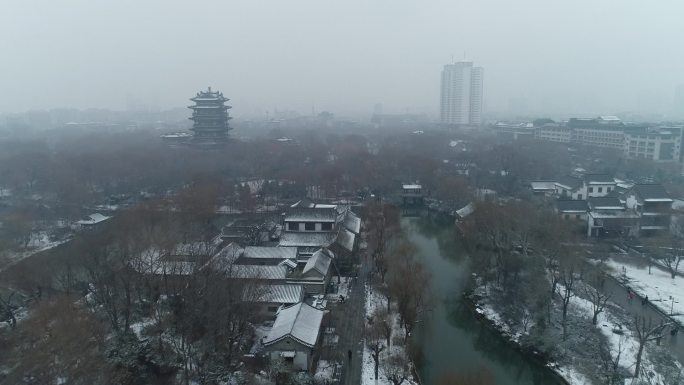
pixel 466 332
pixel 453 337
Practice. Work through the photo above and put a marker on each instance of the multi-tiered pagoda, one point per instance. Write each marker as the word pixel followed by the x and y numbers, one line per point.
pixel 210 117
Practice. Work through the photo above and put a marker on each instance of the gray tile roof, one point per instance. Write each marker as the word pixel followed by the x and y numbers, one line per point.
pixel 652 192
pixel 352 222
pixel 598 178
pixel 319 262
pixel 303 239
pixel 300 322
pixel 346 238
pixel 571 206
pixel 262 252
pixel 286 294
pixel 258 272
pixel 311 214
pixel 598 203
pixel 570 182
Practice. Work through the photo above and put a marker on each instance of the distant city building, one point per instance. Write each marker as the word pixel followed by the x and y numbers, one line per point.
pixel 461 94
pixel 660 143
pixel 604 131
pixel 210 117
pixel 515 130
pixel 553 132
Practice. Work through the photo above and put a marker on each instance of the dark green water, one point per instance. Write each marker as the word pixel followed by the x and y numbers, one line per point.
pixel 453 338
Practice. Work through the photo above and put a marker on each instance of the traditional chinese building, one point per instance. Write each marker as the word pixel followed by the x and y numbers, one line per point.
pixel 210 117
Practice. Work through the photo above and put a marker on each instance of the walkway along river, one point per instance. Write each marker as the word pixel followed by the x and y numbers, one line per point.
pixel 454 339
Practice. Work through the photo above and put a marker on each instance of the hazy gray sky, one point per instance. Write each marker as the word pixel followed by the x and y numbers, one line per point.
pixel 343 56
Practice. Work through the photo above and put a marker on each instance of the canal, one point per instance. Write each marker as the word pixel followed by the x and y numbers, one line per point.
pixel 454 340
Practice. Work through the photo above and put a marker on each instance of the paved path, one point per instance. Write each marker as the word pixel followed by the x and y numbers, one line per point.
pixel 351 329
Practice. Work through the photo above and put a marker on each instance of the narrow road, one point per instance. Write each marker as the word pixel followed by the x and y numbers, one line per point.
pixel 351 329
pixel 618 295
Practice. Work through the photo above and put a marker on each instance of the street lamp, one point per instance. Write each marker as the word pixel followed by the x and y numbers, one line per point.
pixel 671 304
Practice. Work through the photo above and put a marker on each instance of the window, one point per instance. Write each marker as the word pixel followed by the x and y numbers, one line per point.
pixel 608 189
pixel 293 226
pixel 577 216
pixel 326 226
pixel 600 189
pixel 579 197
pixel 591 189
pixel 309 226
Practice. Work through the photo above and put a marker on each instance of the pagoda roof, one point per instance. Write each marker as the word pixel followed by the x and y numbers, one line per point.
pixel 209 107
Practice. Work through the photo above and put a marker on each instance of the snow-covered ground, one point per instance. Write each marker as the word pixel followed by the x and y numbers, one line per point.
pixel 625 343
pixel 325 371
pixel 139 327
pixel 663 291
pixel 375 300
pixel 40 241
pixel 260 331
pixel 342 289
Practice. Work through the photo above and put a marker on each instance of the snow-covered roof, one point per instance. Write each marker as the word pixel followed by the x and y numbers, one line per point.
pixel 308 203
pixel 265 252
pixel 311 214
pixel 599 179
pixel 300 322
pixel 352 222
pixel 411 186
pixel 543 185
pixel 93 219
pixel 285 293
pixel 345 238
pixel 259 272
pixel 617 214
pixel 320 262
pixel 466 210
pixel 303 239
pixel 289 263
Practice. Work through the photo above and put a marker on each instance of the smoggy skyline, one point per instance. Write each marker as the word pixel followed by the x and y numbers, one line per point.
pixel 541 56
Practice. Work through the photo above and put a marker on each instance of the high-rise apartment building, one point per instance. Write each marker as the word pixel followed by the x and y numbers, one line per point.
pixel 461 96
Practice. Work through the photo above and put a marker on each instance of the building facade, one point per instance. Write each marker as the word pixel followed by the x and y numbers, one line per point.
pixel 659 144
pixel 656 143
pixel 461 94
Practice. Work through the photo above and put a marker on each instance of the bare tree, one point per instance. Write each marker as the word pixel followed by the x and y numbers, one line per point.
pixel 408 282
pixel 567 279
pixel 375 340
pixel 645 333
pixel 60 341
pixel 384 318
pixel 7 310
pixel 397 367
pixel 597 298
pixel 611 361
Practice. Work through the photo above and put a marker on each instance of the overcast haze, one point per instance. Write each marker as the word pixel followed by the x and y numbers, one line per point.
pixel 342 56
